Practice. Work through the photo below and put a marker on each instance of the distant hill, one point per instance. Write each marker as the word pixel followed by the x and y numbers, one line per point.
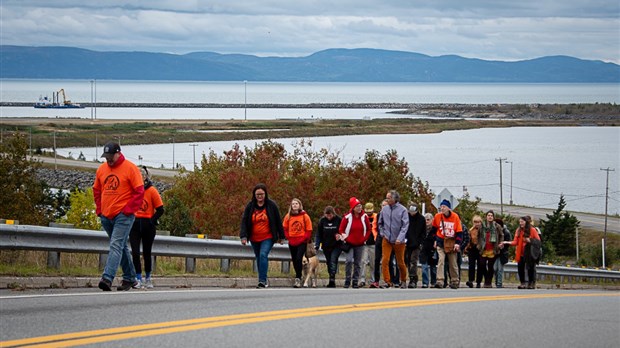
pixel 332 65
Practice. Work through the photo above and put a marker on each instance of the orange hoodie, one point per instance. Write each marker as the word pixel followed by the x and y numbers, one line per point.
pixel 297 228
pixel 519 241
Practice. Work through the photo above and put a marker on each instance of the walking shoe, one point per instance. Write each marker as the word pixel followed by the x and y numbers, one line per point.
pixel 424 286
pixel 470 284
pixel 478 286
pixel 355 285
pixel 297 283
pixel 374 285
pixel 148 283
pixel 386 285
pixel 438 286
pixel 331 284
pixel 499 286
pixel 488 286
pixel 138 284
pixel 412 285
pixel 454 286
pixel 105 285
pixel 403 285
pixel 531 285
pixel 346 285
pixel 126 285
pixel 261 285
pixel 522 286
pixel 362 284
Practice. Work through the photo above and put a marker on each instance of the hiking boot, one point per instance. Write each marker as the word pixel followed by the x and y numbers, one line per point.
pixel 355 285
pixel 297 283
pixel 374 285
pixel 126 285
pixel 531 285
pixel 488 286
pixel 522 286
pixel 105 285
pixel 331 284
pixel 470 284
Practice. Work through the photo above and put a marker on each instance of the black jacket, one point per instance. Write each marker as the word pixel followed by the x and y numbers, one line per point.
pixel 273 214
pixel 326 231
pixel 416 231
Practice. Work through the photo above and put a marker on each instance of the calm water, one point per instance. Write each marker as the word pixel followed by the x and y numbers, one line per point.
pixel 283 93
pixel 546 162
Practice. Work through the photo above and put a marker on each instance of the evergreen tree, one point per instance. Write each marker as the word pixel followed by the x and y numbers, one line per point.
pixel 559 230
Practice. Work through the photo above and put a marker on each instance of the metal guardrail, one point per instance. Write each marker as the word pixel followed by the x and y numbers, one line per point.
pixel 26 237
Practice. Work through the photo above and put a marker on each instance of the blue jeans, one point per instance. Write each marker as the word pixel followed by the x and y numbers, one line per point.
pixel 429 271
pixel 261 251
pixel 118 230
pixel 499 273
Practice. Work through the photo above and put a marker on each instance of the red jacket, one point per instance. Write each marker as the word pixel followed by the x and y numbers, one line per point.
pixel 519 241
pixel 355 230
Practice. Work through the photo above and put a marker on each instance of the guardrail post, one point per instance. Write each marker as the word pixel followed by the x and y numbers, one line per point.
pixel 286 267
pixel 190 262
pixel 225 263
pixel 53 257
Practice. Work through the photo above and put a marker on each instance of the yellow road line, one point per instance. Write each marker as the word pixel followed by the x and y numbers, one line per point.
pixel 121 333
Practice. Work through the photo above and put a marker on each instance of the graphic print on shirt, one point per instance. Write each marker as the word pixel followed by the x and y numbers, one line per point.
pixel 296 229
pixel 145 206
pixel 447 228
pixel 111 183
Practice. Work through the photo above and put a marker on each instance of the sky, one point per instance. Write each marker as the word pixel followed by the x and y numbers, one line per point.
pixel 486 29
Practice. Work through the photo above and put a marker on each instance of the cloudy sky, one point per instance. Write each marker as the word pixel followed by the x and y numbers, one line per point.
pixel 487 29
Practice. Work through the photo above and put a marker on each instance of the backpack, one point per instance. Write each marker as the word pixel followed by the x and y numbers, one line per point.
pixel 533 251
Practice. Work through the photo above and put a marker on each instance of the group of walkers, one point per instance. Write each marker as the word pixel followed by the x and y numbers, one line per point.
pixel 391 243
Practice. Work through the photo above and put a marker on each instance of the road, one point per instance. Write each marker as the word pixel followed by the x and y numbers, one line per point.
pixel 94 165
pixel 590 221
pixel 286 317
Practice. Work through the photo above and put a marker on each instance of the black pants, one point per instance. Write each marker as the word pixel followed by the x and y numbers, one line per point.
pixel 331 269
pixel 473 255
pixel 531 271
pixel 485 269
pixel 297 256
pixel 411 260
pixel 143 231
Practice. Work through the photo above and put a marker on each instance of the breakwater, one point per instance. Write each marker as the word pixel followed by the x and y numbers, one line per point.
pixel 70 179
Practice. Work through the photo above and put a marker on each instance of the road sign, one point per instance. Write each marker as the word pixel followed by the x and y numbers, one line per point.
pixel 445 194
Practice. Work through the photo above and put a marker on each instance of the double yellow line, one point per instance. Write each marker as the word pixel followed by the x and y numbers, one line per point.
pixel 121 333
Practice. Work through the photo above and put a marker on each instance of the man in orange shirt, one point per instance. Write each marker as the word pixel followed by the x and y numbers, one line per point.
pixel 118 192
pixel 447 242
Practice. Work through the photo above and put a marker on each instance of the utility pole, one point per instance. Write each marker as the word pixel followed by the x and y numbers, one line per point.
pixel 96 147
pixel 194 146
pixel 510 181
pixel 55 164
pixel 606 203
pixel 501 192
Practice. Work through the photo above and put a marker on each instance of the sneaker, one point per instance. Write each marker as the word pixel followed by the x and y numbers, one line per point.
pixel 499 286
pixel 105 285
pixel 478 286
pixel 488 286
pixel 362 284
pixel 438 286
pixel 126 285
pixel 331 284
pixel 355 285
pixel 347 285
pixel 386 285
pixel 470 284
pixel 138 284
pixel 424 286
pixel 148 283
pixel 454 286
pixel 403 285
pixel 412 285
pixel 261 285
pixel 374 285
pixel 297 283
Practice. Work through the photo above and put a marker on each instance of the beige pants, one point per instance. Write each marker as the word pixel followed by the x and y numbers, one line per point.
pixel 453 267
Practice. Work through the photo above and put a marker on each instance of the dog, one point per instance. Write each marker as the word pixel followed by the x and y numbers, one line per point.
pixel 311 264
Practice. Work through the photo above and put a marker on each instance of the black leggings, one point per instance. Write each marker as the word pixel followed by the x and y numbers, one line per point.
pixel 142 230
pixel 297 255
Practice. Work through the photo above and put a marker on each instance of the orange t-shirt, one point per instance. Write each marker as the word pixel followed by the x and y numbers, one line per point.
pixel 150 202
pixel 116 185
pixel 260 226
pixel 452 224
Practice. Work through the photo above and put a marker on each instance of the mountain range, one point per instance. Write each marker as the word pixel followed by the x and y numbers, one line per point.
pixel 331 65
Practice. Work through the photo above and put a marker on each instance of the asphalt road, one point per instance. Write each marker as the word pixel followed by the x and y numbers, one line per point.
pixel 286 317
pixel 590 221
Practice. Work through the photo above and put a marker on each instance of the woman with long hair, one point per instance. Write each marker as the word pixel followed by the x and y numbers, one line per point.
pixel 298 231
pixel 524 236
pixel 473 255
pixel 490 244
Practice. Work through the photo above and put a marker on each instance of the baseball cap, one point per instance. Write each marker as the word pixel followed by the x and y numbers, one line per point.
pixel 110 148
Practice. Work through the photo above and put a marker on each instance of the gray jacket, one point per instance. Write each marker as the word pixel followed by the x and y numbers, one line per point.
pixel 394 223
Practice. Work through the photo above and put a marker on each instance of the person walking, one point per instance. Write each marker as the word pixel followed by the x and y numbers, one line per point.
pixel 428 255
pixel 261 225
pixel 144 229
pixel 473 255
pixel 502 259
pixel 298 231
pixel 118 191
pixel 490 244
pixel 415 236
pixel 393 225
pixel 326 240
pixel 525 235
pixel 448 239
pixel 369 249
pixel 354 231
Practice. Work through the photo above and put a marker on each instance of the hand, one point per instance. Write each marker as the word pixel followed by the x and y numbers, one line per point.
pixel 280 241
pixel 244 241
pixel 398 242
pixel 527 240
pixel 501 246
pixel 457 247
